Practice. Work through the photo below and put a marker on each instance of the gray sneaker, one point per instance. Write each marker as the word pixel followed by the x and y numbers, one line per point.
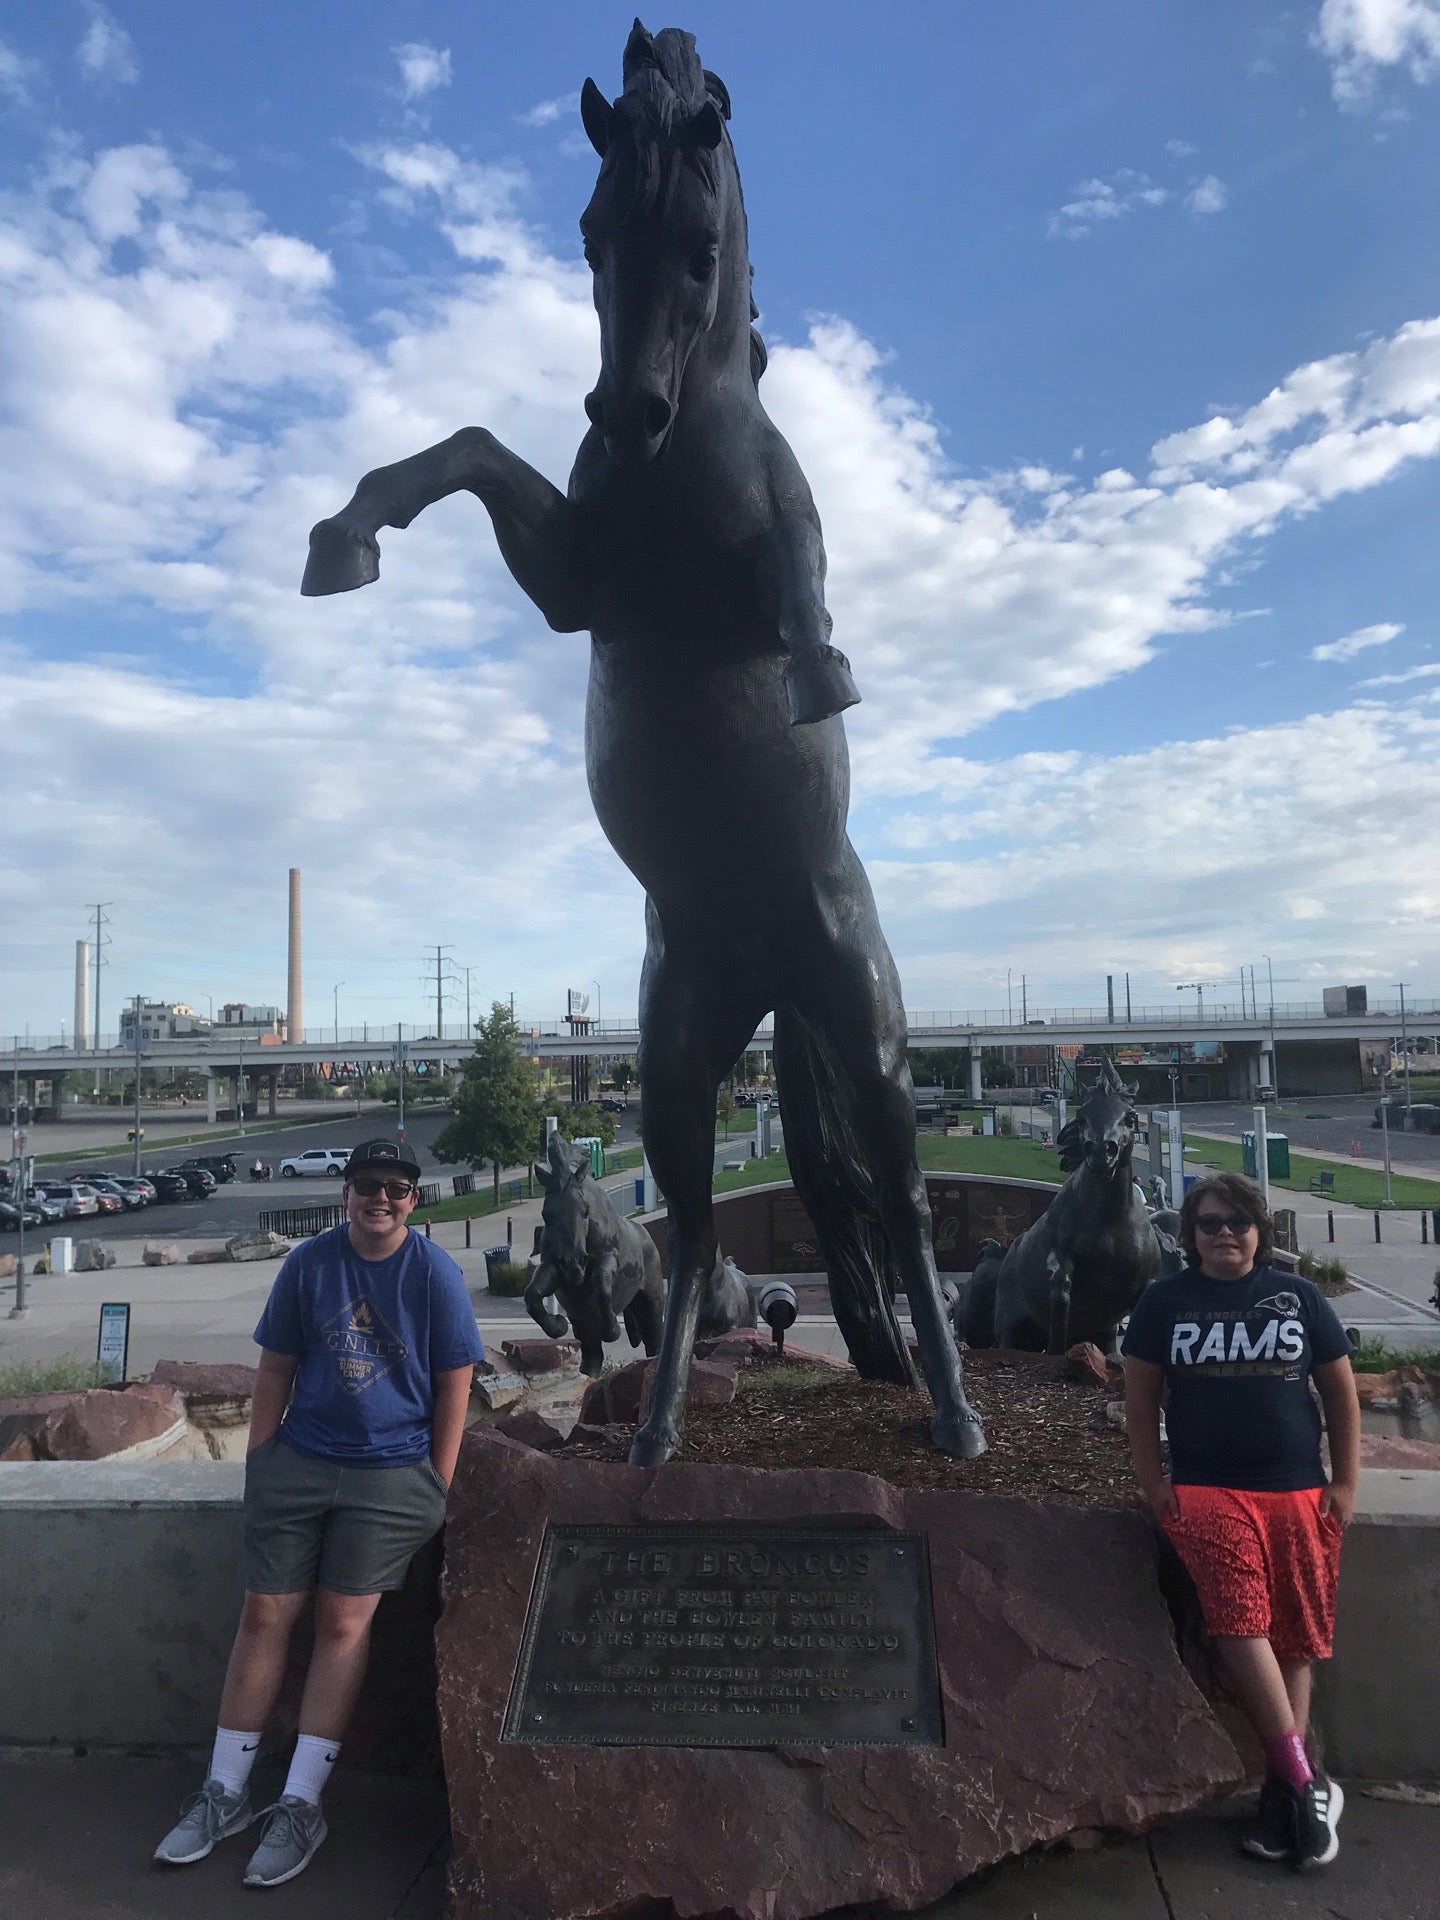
pixel 293 1832
pixel 208 1816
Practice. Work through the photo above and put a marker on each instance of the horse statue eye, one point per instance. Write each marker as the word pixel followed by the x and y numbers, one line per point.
pixel 702 263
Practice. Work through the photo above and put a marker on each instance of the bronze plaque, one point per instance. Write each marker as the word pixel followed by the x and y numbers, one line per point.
pixel 728 1637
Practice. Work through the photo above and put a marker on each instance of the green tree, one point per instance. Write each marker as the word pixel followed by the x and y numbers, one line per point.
pixel 495 1108
pixel 725 1109
pixel 578 1122
pixel 622 1073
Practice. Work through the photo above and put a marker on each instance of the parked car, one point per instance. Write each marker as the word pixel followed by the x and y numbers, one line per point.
pixel 133 1183
pixel 329 1161
pixel 612 1103
pixel 169 1186
pixel 1424 1116
pixel 200 1183
pixel 74 1196
pixel 108 1187
pixel 1048 1097
pixel 50 1210
pixel 10 1216
pixel 222 1165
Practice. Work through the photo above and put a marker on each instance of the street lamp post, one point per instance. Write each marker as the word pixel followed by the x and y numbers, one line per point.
pixel 1405 1052
pixel 1385 1126
pixel 336 991
pixel 1197 987
pixel 1274 1050
pixel 599 1016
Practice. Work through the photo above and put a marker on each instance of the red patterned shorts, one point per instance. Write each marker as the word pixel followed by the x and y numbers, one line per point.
pixel 1265 1565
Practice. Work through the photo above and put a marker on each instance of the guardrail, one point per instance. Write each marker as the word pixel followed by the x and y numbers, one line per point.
pixel 299 1223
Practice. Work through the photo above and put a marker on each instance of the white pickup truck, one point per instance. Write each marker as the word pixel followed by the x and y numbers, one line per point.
pixel 327 1160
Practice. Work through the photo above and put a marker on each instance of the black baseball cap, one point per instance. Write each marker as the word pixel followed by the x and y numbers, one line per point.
pixel 388 1155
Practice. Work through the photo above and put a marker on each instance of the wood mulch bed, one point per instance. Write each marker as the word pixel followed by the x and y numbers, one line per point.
pixel 1049 1438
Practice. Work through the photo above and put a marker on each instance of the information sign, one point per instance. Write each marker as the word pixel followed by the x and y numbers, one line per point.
pixel 113 1350
pixel 728 1637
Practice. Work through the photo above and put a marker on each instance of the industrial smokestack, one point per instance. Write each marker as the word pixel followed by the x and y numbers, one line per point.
pixel 294 1026
pixel 82 993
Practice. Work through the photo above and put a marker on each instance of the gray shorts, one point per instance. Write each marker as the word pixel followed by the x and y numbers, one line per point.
pixel 311 1523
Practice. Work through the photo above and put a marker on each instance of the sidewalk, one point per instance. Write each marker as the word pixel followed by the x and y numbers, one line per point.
pixel 76 1836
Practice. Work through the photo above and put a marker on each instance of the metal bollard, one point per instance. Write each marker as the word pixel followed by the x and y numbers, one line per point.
pixel 427 1229
pixel 509 1231
pixel 1377 1226
pixel 1424 1227
pixel 1330 1221
pixel 467 1230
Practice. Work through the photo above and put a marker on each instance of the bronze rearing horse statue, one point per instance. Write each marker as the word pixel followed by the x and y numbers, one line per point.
pixel 689 546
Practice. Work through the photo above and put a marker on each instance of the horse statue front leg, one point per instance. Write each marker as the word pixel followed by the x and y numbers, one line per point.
pixel 601 1276
pixel 541 1285
pixel 818 681
pixel 534 522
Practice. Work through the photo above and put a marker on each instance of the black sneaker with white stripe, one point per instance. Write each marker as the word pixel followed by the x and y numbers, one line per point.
pixel 1271 1834
pixel 1317 1817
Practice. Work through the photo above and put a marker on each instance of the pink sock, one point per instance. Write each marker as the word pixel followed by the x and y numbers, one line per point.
pixel 1285 1756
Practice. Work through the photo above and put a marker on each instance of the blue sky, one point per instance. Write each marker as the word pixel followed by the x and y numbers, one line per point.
pixel 1106 335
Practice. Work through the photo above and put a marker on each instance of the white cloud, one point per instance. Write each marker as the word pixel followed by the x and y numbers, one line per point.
pixel 422 68
pixel 106 52
pixel 1403 679
pixel 1361 37
pixel 1209 195
pixel 1363 638
pixel 1180 149
pixel 1095 203
pixel 547 112
pixel 18 76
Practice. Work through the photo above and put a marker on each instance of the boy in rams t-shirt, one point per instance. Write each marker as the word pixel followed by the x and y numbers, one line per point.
pixel 1236 1343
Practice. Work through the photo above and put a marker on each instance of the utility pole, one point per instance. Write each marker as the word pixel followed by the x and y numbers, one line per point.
pixel 102 920
pixel 1385 1125
pixel 135 1156
pixel 1127 999
pixel 240 1086
pixel 336 991
pixel 1024 1003
pixel 18 1187
pixel 469 1028
pixel 1274 1050
pixel 1405 1053
pixel 440 976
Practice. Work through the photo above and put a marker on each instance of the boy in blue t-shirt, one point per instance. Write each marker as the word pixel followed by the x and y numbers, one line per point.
pixel 368 1344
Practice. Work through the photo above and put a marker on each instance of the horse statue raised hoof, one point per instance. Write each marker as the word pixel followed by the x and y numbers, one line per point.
pixel 688 545
pixel 342 557
pixel 596 1264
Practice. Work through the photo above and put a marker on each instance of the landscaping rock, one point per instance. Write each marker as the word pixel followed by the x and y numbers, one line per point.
pixel 206 1256
pixel 160 1253
pixel 103 1421
pixel 498 1391
pixel 8 1264
pixel 1065 1706
pixel 93 1256
pixel 206 1383
pixel 22 1415
pixel 256 1245
pixel 1380 1450
pixel 531 1429
pixel 1084 1361
pixel 711 1385
pixel 542 1356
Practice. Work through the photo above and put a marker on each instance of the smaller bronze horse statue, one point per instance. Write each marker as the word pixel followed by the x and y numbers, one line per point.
pixel 597 1265
pixel 1081 1267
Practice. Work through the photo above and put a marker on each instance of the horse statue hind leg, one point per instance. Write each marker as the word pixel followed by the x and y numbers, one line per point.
pixel 849 1113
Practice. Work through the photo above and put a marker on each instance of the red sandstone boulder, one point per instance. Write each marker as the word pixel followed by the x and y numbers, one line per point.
pixel 531 1429
pixel 206 1257
pixel 105 1421
pixel 711 1385
pixel 1085 1362
pixel 1065 1707
pixel 1381 1450
pixel 622 1398
pixel 541 1356
pixel 22 1415
pixel 204 1383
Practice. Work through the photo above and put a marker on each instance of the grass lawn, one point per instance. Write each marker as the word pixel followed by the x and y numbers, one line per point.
pixel 972 1153
pixel 1354 1186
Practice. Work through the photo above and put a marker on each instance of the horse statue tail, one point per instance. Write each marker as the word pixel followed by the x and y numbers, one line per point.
pixel 833 1181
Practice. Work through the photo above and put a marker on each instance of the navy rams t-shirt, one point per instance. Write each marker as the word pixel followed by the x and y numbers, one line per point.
pixel 1237 1356
pixel 370 1336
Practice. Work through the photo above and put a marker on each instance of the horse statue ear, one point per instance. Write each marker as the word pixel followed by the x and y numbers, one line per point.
pixel 596 114
pixel 718 92
pixel 1067 1145
pixel 544 1176
pixel 705 128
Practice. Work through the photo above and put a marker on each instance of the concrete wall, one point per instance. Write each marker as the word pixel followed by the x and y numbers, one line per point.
pixel 120 1585
pixel 1319 1066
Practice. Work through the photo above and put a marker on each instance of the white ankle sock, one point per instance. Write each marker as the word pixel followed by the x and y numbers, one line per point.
pixel 233 1758
pixel 312 1764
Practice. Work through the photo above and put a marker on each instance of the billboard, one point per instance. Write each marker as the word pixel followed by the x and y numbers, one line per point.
pixel 577 1004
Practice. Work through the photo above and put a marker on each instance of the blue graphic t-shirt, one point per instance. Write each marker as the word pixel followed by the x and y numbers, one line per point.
pixel 370 1336
pixel 1237 1357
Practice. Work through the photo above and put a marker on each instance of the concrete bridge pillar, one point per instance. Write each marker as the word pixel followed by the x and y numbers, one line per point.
pixel 273 1077
pixel 1267 1064
pixel 210 1096
pixel 977 1092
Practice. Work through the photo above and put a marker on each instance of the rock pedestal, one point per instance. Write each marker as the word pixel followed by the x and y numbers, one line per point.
pixel 1065 1706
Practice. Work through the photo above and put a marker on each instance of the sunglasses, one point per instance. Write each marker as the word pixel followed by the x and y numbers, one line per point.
pixel 1213 1223
pixel 369 1188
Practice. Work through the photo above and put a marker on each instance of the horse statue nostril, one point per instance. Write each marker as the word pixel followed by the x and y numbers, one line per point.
pixel 592 409
pixel 658 413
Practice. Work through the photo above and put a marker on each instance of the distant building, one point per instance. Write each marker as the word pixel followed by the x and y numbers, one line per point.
pixel 161 1020
pixel 260 1020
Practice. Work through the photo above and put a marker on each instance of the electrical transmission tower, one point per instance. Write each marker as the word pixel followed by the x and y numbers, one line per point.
pixel 441 974
pixel 98 960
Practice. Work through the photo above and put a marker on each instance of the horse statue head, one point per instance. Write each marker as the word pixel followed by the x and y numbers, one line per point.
pixel 565 1214
pixel 665 238
pixel 1102 1134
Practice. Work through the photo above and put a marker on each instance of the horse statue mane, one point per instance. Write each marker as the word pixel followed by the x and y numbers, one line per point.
pixel 1069 1142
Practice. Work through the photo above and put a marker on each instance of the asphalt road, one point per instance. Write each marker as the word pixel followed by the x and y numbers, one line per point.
pixel 1330 1122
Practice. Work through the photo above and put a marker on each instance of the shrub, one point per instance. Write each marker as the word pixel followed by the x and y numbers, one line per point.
pixel 64 1374
pixel 509 1278
pixel 1330 1276
pixel 1373 1356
